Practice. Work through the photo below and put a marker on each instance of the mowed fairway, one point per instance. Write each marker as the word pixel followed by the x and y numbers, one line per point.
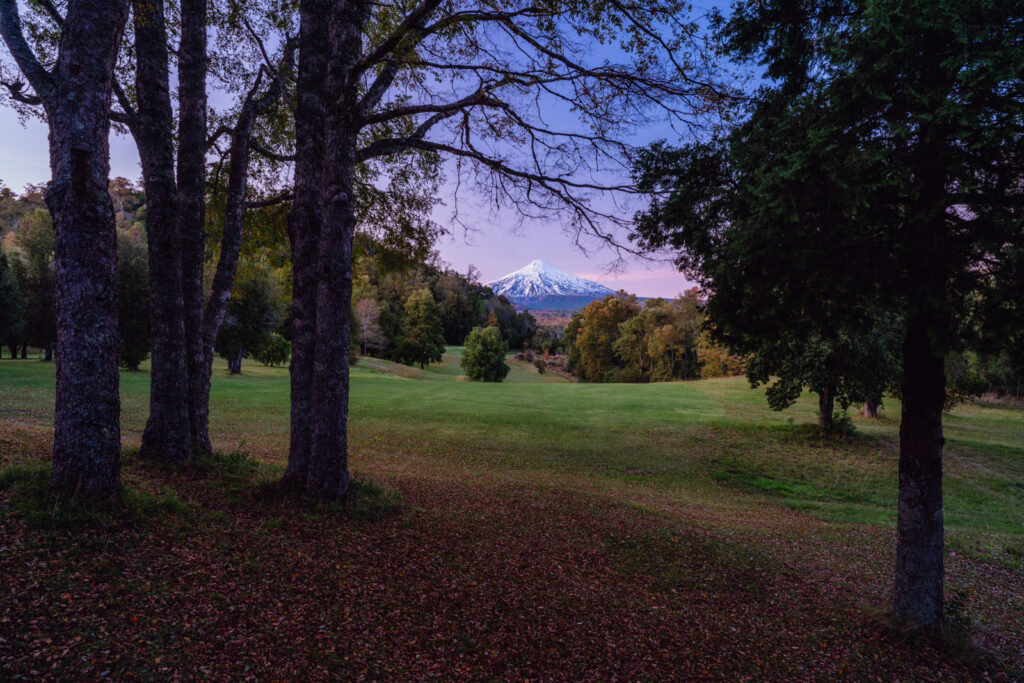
pixel 549 530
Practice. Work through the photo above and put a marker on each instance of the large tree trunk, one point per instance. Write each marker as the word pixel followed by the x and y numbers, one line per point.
pixel 167 436
pixel 304 223
pixel 917 598
pixel 191 179
pixel 76 95
pixel 328 477
pixel 826 405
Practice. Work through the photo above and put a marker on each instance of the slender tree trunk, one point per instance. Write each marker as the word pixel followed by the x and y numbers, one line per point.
pixel 918 594
pixel 328 477
pixel 76 95
pixel 48 353
pixel 13 348
pixel 230 246
pixel 870 409
pixel 304 224
pixel 191 182
pixel 24 351
pixel 826 405
pixel 167 436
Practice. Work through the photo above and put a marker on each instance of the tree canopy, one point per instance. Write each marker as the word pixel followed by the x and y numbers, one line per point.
pixel 877 171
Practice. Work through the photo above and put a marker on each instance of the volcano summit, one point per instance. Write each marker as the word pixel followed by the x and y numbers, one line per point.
pixel 541 285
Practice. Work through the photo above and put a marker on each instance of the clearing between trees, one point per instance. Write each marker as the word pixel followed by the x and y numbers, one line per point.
pixel 533 528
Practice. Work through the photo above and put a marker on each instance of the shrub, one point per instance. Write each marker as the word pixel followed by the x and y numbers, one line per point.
pixel 484 357
pixel 276 351
pixel 540 365
pixel 842 424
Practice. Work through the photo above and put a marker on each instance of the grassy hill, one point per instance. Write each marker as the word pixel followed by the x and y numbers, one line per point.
pixel 549 529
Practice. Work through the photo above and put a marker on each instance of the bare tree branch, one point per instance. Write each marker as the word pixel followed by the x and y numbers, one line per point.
pixel 10 27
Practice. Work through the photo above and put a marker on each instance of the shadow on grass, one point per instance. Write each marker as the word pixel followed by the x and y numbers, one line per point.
pixel 696 562
pixel 367 501
pixel 43 507
pixel 215 486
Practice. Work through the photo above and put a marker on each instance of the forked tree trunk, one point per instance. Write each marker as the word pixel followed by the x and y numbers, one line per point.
pixel 191 182
pixel 76 95
pixel 826 406
pixel 304 224
pixel 918 594
pixel 328 477
pixel 167 436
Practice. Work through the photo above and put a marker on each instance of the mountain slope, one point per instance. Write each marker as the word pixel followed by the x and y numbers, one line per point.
pixel 540 284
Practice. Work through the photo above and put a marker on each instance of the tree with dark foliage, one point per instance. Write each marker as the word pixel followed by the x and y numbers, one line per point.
pixel 880 170
pixel 132 301
pixel 12 305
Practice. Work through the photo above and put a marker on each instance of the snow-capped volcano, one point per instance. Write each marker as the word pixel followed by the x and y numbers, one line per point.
pixel 538 281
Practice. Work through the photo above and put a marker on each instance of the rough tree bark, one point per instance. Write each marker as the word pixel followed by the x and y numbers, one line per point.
pixel 76 94
pixel 826 406
pixel 166 436
pixel 328 476
pixel 304 223
pixel 192 131
pixel 918 595
pixel 918 585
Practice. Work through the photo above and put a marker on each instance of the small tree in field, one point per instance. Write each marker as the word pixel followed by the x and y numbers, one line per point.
pixel 424 339
pixel 484 357
pixel 12 304
pixel 132 302
pixel 252 314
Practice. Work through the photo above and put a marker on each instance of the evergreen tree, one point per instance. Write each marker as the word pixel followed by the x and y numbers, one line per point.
pixel 877 172
pixel 484 356
pixel 36 279
pixel 132 301
pixel 252 314
pixel 424 333
pixel 12 306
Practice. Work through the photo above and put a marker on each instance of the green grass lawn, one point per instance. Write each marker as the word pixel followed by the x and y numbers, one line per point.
pixel 706 462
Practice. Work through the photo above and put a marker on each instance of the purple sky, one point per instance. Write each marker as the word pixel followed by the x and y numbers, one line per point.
pixel 496 245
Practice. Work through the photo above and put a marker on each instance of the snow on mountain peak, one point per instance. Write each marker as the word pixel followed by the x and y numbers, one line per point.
pixel 538 278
